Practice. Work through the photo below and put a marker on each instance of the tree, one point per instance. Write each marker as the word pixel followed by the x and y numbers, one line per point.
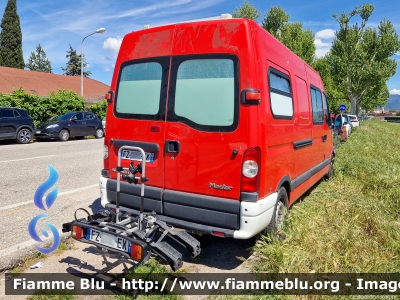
pixel 334 96
pixel 73 67
pixel 247 10
pixel 99 108
pixel 361 58
pixel 274 20
pixel 38 61
pixel 292 35
pixel 11 38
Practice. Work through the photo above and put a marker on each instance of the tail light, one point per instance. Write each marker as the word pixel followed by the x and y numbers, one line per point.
pixel 250 170
pixel 136 252
pixel 77 232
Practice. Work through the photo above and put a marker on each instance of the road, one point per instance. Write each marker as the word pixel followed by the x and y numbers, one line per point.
pixel 24 168
pixel 79 162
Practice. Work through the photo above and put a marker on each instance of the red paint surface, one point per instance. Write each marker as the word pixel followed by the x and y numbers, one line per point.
pixel 206 157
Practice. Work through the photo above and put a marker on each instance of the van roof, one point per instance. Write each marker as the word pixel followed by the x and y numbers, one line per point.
pixel 221 17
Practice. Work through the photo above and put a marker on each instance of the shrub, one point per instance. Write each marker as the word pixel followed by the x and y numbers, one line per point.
pixel 43 108
pixel 99 108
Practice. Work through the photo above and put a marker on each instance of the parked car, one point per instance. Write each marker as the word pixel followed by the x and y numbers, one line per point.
pixel 339 128
pixel 354 120
pixel 347 120
pixel 346 123
pixel 72 124
pixel 103 122
pixel 15 124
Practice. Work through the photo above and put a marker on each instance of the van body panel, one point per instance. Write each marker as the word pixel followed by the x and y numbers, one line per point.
pixel 196 125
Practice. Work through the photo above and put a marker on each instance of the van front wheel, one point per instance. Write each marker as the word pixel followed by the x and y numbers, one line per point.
pixel 278 218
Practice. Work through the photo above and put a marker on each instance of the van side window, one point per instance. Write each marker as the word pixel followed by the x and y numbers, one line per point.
pixel 205 92
pixel 326 110
pixel 139 90
pixel 317 109
pixel 281 95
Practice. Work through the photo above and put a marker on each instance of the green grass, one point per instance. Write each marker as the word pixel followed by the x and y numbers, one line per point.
pixel 47 295
pixel 352 222
pixel 152 270
pixel 32 259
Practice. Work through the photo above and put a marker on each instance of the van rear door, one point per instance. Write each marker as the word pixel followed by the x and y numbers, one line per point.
pixel 201 167
pixel 141 96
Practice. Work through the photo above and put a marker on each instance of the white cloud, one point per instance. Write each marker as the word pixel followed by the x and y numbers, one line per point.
pixel 321 52
pixel 325 34
pixel 320 44
pixel 395 92
pixel 112 44
pixel 321 48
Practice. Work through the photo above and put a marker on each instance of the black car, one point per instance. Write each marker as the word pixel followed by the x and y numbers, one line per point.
pixel 73 124
pixel 15 124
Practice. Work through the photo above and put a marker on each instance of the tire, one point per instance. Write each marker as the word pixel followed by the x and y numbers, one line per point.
pixel 63 135
pixel 24 136
pixel 99 133
pixel 280 212
pixel 329 175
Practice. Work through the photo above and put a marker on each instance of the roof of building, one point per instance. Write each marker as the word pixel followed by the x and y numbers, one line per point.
pixel 42 84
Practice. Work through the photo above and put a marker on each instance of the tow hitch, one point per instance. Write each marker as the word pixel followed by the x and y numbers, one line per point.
pixel 136 237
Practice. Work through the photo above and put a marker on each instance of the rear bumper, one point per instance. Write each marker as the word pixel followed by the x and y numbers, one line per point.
pixel 237 219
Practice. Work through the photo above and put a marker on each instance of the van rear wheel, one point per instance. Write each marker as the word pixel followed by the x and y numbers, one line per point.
pixel 281 209
pixel 329 175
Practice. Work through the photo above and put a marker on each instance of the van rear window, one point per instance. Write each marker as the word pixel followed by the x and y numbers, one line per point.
pixel 206 89
pixel 139 82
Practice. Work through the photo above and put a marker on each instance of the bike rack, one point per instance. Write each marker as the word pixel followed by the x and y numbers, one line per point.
pixel 144 233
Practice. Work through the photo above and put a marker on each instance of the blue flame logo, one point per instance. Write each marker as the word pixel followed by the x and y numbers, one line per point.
pixel 50 199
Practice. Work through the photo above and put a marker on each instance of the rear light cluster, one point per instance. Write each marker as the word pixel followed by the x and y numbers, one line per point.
pixel 77 232
pixel 136 252
pixel 250 170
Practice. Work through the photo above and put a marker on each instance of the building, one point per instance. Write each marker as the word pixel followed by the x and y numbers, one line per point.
pixel 42 84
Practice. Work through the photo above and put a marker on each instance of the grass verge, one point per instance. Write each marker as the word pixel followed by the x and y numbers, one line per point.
pixel 34 258
pixel 352 222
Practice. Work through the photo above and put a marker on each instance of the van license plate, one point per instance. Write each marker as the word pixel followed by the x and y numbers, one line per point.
pixel 136 155
pixel 107 239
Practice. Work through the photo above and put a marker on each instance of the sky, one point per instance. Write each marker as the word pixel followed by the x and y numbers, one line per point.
pixel 56 24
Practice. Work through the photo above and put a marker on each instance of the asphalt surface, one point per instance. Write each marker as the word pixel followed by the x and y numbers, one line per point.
pixel 24 168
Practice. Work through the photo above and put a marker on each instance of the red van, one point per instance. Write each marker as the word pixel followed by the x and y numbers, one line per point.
pixel 235 126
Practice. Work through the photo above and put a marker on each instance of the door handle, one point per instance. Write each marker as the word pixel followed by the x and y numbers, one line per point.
pixel 324 137
pixel 172 146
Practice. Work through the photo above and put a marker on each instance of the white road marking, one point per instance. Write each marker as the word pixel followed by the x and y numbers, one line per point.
pixel 12 160
pixel 29 243
pixel 59 194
